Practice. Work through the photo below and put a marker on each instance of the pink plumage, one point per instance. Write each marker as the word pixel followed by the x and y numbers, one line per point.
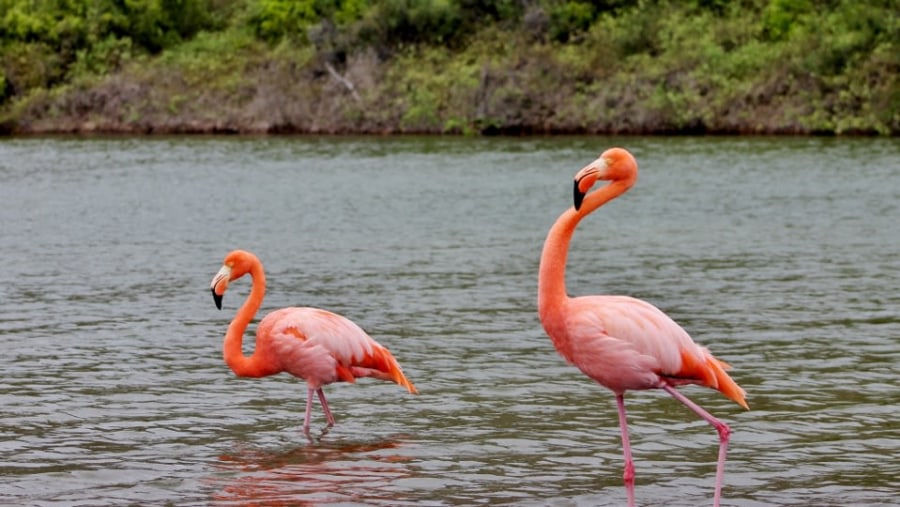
pixel 323 347
pixel 621 342
pixel 316 345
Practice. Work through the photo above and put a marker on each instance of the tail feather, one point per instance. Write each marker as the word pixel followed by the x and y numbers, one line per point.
pixel 695 367
pixel 710 372
pixel 345 374
pixel 384 362
pixel 726 385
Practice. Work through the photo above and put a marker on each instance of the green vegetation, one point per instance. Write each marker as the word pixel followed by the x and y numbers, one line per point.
pixel 450 66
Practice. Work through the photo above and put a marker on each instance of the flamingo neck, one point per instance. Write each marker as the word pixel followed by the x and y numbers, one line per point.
pixel 552 273
pixel 552 294
pixel 241 365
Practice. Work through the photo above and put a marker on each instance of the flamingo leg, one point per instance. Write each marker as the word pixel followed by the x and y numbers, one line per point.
pixel 325 406
pixel 626 450
pixel 724 434
pixel 309 399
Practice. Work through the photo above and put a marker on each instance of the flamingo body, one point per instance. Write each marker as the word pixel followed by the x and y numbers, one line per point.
pixel 621 342
pixel 625 343
pixel 316 345
pixel 323 347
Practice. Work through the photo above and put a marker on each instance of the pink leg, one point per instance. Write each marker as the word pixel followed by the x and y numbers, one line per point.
pixel 325 407
pixel 309 398
pixel 724 433
pixel 626 450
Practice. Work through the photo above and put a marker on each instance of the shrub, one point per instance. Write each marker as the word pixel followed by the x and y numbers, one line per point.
pixel 568 19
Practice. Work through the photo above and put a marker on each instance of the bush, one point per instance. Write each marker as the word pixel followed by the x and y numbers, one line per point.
pixel 569 19
pixel 576 66
pixel 398 22
pixel 30 65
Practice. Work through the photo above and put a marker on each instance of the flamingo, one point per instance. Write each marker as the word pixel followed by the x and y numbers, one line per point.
pixel 309 343
pixel 621 342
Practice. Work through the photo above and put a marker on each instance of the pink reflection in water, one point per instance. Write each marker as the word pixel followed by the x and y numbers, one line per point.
pixel 317 474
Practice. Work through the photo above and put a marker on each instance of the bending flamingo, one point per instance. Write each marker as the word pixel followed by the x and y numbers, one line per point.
pixel 316 345
pixel 621 342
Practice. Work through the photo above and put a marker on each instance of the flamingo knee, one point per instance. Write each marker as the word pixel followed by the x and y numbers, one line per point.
pixel 629 473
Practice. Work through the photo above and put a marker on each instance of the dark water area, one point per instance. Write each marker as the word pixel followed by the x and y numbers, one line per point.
pixel 778 254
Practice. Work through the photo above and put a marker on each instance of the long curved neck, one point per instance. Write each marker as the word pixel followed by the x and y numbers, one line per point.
pixel 241 365
pixel 552 274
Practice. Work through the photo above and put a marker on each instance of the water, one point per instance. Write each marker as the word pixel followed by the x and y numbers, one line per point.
pixel 780 255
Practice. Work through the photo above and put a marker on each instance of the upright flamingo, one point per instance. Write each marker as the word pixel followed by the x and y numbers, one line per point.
pixel 621 342
pixel 316 345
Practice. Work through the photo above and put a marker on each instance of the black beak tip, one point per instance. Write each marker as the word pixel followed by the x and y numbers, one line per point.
pixel 578 196
pixel 217 298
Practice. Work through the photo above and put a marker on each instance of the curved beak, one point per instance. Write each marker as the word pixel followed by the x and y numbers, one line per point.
pixel 586 177
pixel 219 284
pixel 578 195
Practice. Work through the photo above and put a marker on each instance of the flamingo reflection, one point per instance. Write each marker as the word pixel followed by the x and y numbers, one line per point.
pixel 311 475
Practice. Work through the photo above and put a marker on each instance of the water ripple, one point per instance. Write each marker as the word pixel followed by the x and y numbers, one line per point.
pixel 115 392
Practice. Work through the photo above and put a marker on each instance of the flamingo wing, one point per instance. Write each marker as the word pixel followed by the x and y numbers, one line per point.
pixel 626 343
pixel 323 347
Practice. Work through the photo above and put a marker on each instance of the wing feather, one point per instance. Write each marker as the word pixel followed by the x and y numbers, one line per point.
pixel 324 347
pixel 626 343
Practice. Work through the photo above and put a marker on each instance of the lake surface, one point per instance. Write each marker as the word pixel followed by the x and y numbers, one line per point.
pixel 782 255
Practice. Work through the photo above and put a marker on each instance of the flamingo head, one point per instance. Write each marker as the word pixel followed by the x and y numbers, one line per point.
pixel 236 265
pixel 614 164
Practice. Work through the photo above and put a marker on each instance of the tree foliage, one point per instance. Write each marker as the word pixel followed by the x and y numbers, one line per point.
pixel 692 64
pixel 61 35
